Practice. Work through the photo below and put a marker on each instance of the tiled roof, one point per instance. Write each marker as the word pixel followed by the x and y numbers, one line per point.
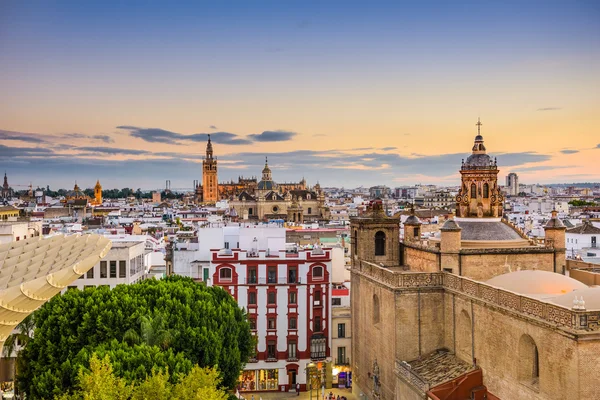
pixel 584 229
pixel 495 230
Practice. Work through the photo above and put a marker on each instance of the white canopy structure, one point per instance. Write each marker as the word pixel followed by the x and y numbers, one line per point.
pixel 34 270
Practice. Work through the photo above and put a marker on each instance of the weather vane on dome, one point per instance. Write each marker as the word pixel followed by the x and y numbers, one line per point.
pixel 478 126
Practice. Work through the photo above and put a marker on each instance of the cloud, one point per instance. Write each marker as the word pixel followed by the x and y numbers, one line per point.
pixel 598 146
pixel 113 151
pixel 568 151
pixel 102 138
pixel 13 152
pixel 273 136
pixel 157 135
pixel 213 127
pixel 549 109
pixel 388 148
pixel 20 136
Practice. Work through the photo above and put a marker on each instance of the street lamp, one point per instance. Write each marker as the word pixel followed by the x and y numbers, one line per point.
pixel 308 370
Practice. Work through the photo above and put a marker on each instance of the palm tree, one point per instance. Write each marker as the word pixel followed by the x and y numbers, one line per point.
pixel 22 336
pixel 152 332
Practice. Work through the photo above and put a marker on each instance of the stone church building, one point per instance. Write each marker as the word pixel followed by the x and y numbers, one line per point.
pixel 478 312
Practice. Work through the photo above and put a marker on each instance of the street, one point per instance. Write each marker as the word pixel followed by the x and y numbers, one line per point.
pixel 303 395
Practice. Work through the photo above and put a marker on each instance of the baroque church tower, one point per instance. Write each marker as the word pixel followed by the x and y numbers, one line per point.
pixel 210 184
pixel 98 193
pixel 479 195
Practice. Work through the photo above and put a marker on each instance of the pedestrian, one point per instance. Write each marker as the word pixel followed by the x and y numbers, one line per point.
pixel 252 397
pixel 297 389
pixel 338 398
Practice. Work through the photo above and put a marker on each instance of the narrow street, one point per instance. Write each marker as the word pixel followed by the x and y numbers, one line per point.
pixel 303 395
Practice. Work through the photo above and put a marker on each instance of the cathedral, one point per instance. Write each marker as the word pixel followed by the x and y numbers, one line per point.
pixel 477 312
pixel 262 200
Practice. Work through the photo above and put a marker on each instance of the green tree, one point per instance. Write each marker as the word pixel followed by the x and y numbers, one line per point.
pixel 153 332
pixel 206 326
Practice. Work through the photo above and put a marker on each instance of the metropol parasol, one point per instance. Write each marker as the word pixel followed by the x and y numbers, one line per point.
pixel 32 271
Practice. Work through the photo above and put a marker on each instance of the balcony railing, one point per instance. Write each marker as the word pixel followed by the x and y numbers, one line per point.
pixel 262 280
pixel 342 361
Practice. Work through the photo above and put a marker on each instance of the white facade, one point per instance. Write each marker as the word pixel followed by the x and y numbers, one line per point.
pixel 125 263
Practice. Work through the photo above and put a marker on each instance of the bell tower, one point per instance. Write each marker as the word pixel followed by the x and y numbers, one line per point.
pixel 210 184
pixel 98 192
pixel 375 237
pixel 479 195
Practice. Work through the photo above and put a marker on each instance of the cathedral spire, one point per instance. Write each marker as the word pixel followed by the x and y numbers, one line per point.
pixel 209 149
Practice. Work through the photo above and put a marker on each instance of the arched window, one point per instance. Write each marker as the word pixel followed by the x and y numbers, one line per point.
pixel 375 309
pixel 486 190
pixel 355 242
pixel 225 273
pixel 380 243
pixel 317 272
pixel 473 191
pixel 529 361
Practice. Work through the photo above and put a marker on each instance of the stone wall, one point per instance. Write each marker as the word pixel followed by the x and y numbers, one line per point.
pixel 421 260
pixel 371 339
pixel 486 265
pixel 587 277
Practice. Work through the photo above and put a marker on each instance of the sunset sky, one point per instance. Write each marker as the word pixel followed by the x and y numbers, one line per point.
pixel 344 93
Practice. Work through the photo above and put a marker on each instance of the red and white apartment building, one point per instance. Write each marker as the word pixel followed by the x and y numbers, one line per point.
pixel 286 291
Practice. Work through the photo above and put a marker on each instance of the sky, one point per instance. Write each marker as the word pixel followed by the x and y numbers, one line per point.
pixel 342 93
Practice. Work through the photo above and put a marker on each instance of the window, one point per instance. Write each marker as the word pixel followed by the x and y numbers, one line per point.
pixel 336 301
pixel 292 323
pixel 292 297
pixel 416 232
pixel 113 269
pixel 122 269
pixel 529 361
pixel 90 273
pixel 271 323
pixel 271 351
pixel 473 191
pixel 271 298
pixel 103 273
pixel 292 275
pixel 318 347
pixel 317 298
pixel 380 243
pixel 292 349
pixel 227 245
pixel 252 324
pixel 341 330
pixel 317 324
pixel 272 275
pixel 355 244
pixel 225 273
pixel 251 297
pixel 341 353
pixel 486 190
pixel 309 210
pixel 250 211
pixel 252 275
pixel 317 272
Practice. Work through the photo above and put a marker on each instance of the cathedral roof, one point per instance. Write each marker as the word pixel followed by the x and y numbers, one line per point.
pixel 303 194
pixel 274 196
pixel 590 295
pixel 450 225
pixel 245 196
pixel 538 283
pixel 481 229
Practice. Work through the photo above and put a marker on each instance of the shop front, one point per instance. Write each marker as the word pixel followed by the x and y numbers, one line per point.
pixel 259 380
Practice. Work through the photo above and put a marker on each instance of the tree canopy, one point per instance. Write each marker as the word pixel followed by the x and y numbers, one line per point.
pixel 101 383
pixel 160 325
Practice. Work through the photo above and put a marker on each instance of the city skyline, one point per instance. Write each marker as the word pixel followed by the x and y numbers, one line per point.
pixel 342 94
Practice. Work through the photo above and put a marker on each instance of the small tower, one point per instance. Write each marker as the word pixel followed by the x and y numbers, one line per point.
pixel 555 239
pixel 210 184
pixel 450 246
pixel 375 237
pixel 98 192
pixel 412 227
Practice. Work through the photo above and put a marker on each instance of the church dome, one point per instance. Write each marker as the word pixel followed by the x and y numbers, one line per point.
pixel 479 160
pixel 266 185
pixel 591 296
pixel 537 283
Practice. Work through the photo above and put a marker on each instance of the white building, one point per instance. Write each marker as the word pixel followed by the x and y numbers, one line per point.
pixel 126 263
pixel 582 238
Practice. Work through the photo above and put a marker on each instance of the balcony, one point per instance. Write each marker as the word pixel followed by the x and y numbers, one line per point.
pixel 342 361
pixel 282 280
